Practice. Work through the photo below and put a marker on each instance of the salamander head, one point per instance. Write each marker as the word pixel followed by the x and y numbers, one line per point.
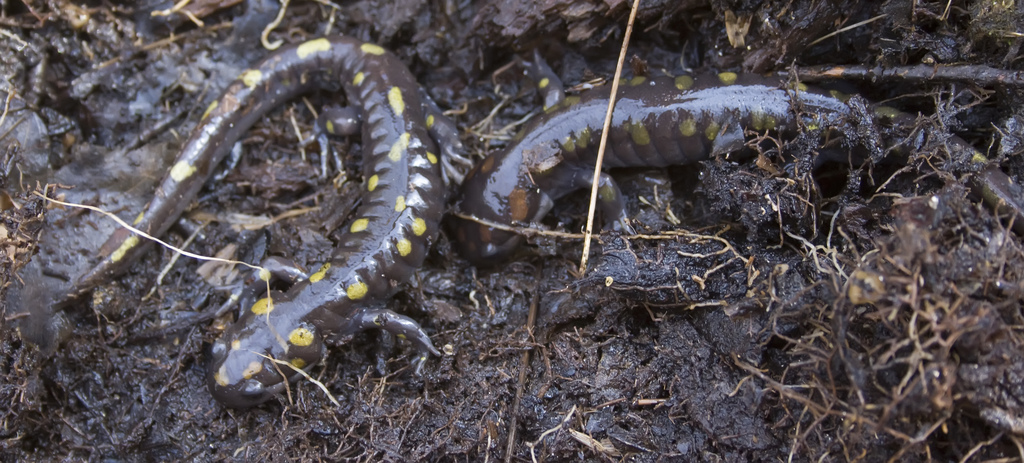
pixel 499 189
pixel 242 373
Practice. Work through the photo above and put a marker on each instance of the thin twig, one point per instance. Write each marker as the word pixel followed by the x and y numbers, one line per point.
pixel 556 428
pixel 265 36
pixel 524 369
pixel 146 235
pixel 170 263
pixel 604 137
pixel 306 375
pixel 850 27
pixel 984 76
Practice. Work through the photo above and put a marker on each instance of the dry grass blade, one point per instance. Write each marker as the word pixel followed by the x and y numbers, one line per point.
pixel 604 137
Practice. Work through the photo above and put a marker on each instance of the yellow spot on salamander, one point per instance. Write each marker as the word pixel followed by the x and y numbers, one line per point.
pixel 319 275
pixel 221 376
pixel 543 83
pixel 359 225
pixel 637 80
pixel 301 337
pixel 839 95
pixel 298 363
pixel 430 121
pixel 312 46
pixel 253 369
pixel 887 112
pixel 400 203
pixel 568 144
pixel 358 79
pixel 684 82
pixel 251 77
pixel 372 49
pixel 263 306
pixel 419 226
pixel 139 218
pixel 182 170
pixel 396 100
pixel 264 274
pixel 431 157
pixel 761 120
pixel 639 134
pixel 607 193
pixel 404 247
pixel 236 344
pixel 209 109
pixel 727 78
pixel 978 158
pixel 329 125
pixel 356 291
pixel 569 101
pixel 371 183
pixel 712 131
pixel 399 147
pixel 126 246
pixel 688 127
pixel 583 138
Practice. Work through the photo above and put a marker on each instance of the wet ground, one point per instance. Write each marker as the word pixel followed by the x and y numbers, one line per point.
pixel 772 310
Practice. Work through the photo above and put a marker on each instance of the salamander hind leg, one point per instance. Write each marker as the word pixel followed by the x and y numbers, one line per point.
pixel 445 133
pixel 609 200
pixel 399 325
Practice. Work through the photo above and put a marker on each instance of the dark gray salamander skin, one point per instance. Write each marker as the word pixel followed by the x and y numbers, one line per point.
pixel 657 122
pixel 388 238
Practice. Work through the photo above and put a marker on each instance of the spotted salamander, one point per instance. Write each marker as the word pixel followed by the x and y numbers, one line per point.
pixel 393 227
pixel 657 122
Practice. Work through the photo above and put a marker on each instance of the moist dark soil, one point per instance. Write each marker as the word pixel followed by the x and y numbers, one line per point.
pixel 777 308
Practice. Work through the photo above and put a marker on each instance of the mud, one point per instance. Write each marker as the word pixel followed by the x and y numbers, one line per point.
pixel 773 309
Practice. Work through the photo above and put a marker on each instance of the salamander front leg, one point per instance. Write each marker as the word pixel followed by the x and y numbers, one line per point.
pixel 255 285
pixel 338 122
pixel 444 132
pixel 399 325
pixel 609 200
